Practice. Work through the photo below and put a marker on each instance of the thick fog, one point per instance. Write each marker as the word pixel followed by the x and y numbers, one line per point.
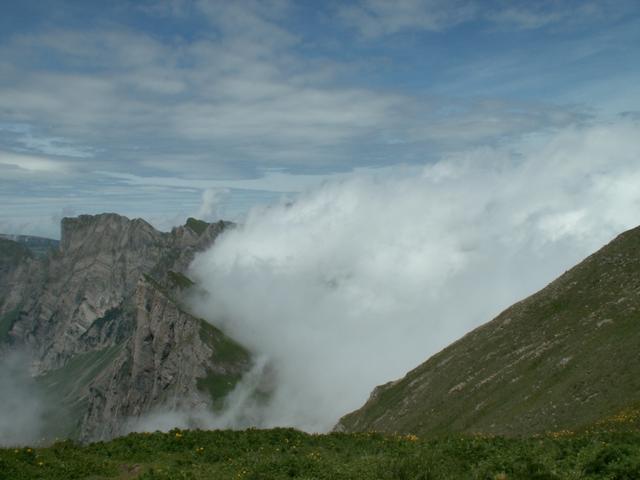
pixel 352 284
pixel 22 406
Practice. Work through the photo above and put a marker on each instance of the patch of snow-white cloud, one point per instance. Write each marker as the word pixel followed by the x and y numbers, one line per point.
pixel 23 407
pixel 32 163
pixel 356 281
pixel 210 207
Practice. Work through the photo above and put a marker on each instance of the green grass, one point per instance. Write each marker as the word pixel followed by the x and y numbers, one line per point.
pixel 155 284
pixel 225 352
pixel 286 453
pixel 218 386
pixel 65 389
pixel 78 371
pixel 198 226
pixel 179 280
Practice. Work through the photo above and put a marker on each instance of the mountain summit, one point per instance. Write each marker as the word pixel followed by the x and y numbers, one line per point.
pixel 564 358
pixel 102 322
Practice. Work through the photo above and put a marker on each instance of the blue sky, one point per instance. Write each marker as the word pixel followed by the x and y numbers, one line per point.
pixel 165 109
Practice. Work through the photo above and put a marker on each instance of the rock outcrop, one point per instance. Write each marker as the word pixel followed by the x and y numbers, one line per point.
pixel 103 322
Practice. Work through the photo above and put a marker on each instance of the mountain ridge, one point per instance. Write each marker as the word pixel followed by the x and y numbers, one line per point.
pixel 37 245
pixel 106 331
pixel 562 358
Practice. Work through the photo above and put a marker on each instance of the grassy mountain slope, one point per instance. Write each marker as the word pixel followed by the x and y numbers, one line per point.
pixel 563 358
pixel 66 390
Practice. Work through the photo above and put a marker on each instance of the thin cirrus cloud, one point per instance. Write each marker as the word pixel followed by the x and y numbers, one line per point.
pixel 234 92
pixel 377 18
pixel 373 18
pixel 239 89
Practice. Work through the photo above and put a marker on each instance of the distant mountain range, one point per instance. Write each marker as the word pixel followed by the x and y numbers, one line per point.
pixel 37 245
pixel 102 319
pixel 562 359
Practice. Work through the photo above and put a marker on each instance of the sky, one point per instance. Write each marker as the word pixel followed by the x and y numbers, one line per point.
pixel 168 109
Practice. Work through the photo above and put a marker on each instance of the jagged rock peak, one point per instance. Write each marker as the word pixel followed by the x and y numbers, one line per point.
pixel 102 319
pixel 198 232
pixel 106 230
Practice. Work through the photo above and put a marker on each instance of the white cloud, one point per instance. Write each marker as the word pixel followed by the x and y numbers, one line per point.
pixel 246 90
pixel 23 409
pixel 32 163
pixel 242 91
pixel 210 207
pixel 361 279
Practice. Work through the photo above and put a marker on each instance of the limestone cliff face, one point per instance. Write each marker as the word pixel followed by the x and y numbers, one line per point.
pixel 13 256
pixel 103 322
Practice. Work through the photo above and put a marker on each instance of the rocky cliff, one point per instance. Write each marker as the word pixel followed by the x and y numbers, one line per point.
pixel 562 359
pixel 102 320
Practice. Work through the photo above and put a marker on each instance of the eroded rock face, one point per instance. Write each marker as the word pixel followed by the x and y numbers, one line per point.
pixel 159 364
pixel 104 325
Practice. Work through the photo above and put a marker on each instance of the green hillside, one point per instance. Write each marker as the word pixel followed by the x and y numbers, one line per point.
pixel 562 358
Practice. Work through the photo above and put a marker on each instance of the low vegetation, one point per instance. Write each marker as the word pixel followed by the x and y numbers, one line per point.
pixel 197 226
pixel 225 351
pixel 607 452
pixel 179 280
pixel 65 390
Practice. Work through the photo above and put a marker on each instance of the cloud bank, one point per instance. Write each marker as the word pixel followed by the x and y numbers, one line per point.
pixel 23 410
pixel 359 280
